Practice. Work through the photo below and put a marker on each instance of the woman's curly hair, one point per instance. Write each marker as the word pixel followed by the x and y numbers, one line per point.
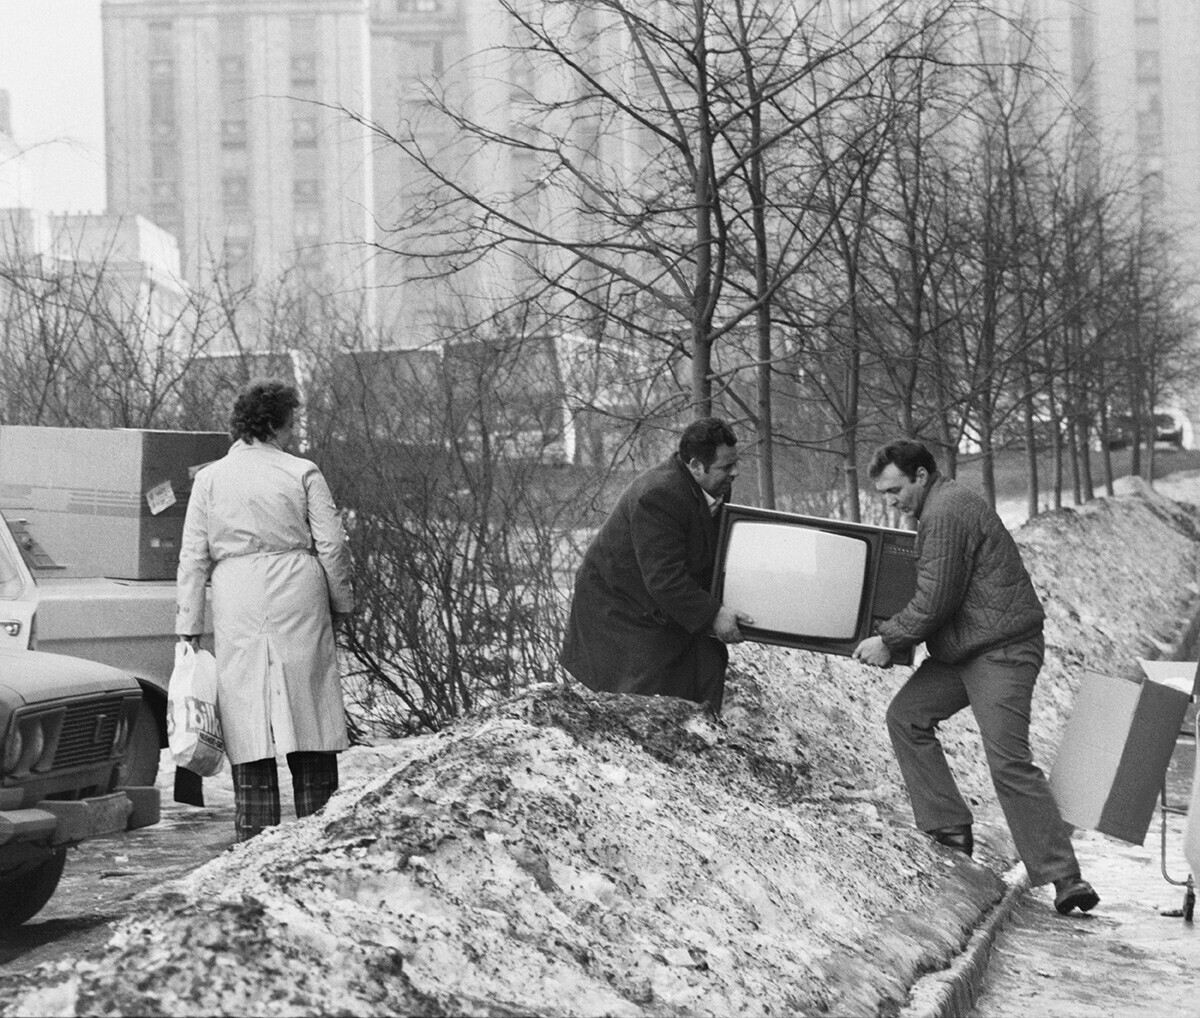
pixel 261 409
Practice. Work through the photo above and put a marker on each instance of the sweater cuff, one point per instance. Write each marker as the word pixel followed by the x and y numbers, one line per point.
pixel 893 638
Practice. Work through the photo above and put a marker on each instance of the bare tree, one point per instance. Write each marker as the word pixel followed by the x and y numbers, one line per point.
pixel 86 340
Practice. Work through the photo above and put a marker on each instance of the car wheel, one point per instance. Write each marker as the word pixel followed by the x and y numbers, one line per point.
pixel 25 890
pixel 141 758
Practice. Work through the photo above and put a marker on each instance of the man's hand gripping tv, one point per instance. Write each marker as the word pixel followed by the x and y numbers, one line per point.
pixel 873 651
pixel 725 625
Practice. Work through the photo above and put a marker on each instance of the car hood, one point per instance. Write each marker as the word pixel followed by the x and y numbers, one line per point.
pixel 35 677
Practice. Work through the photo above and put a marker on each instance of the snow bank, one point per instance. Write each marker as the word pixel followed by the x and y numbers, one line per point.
pixel 567 853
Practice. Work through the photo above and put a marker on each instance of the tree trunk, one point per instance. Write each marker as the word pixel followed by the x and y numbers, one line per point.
pixel 1031 449
pixel 702 186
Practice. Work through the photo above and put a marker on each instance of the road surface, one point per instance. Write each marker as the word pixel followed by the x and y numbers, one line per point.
pixel 103 876
pixel 1128 957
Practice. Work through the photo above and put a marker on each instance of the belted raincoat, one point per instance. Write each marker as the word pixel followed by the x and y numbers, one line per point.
pixel 263 524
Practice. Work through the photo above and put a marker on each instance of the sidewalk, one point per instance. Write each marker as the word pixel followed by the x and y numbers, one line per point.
pixel 1125 958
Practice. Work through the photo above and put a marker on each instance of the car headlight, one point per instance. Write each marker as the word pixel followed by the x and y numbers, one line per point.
pixel 121 736
pixel 12 750
pixel 29 744
pixel 35 745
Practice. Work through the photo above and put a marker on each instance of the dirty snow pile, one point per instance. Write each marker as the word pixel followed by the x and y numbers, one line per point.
pixel 567 853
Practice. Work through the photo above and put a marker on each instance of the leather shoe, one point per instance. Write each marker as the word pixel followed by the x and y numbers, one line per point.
pixel 958 838
pixel 1074 892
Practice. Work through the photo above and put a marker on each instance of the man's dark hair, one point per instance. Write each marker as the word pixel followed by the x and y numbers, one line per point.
pixel 909 457
pixel 262 408
pixel 701 439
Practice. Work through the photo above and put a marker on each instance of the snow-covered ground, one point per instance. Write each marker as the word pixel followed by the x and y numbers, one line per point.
pixel 566 853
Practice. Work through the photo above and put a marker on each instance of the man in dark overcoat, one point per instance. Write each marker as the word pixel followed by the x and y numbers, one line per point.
pixel 643 619
pixel 980 618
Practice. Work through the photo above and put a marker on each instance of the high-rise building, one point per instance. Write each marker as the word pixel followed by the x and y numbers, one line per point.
pixel 1135 70
pixel 222 126
pixel 227 124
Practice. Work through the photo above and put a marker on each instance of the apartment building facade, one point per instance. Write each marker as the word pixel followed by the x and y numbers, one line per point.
pixel 1133 67
pixel 222 127
pixel 227 124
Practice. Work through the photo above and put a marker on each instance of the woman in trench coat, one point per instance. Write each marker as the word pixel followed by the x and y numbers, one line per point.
pixel 263 523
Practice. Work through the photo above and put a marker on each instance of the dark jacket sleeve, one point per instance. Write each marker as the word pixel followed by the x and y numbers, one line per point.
pixel 659 527
pixel 945 562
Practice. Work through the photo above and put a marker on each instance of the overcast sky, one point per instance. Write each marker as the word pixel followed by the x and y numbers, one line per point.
pixel 50 63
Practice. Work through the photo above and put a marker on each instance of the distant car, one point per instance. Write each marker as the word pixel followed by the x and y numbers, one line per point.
pixel 65 727
pixel 1167 430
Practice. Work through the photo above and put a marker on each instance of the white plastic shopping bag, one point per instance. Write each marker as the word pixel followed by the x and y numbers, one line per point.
pixel 193 726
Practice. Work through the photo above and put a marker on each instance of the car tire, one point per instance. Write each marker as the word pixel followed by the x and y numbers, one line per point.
pixel 25 890
pixel 142 756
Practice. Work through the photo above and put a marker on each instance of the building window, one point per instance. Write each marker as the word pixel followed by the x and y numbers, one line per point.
pixel 233 133
pixel 304 132
pixel 163 190
pixel 1152 187
pixel 306 164
pixel 418 6
pixel 237 258
pixel 164 162
pixel 234 161
pixel 304 69
pixel 305 191
pixel 233 69
pixel 162 103
pixel 1146 62
pixel 162 67
pixel 306 225
pixel 521 73
pixel 160 41
pixel 235 190
pixel 310 258
pixel 425 59
pixel 167 216
pixel 1149 99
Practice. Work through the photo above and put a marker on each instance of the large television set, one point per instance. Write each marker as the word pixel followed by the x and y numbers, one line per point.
pixel 812 583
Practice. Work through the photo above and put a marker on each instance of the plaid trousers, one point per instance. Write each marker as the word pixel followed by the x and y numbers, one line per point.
pixel 256 789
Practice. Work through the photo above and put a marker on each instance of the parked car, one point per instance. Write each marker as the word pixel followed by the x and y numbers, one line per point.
pixel 1167 430
pixel 65 727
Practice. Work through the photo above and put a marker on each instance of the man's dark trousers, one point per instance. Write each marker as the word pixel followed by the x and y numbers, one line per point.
pixel 998 686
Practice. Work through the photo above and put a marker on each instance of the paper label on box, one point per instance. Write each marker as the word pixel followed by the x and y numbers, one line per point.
pixel 160 497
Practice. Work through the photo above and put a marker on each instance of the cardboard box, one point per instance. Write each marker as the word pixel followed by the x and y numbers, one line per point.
pixel 1118 742
pixel 101 502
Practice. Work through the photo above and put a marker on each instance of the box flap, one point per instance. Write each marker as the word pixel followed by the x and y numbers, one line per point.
pixel 1181 675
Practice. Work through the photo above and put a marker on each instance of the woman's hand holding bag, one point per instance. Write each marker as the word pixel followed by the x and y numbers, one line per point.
pixel 193 725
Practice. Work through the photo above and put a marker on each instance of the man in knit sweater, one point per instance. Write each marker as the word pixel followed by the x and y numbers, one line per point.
pixel 981 621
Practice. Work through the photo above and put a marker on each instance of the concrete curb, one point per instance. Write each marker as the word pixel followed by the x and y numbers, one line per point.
pixel 951 992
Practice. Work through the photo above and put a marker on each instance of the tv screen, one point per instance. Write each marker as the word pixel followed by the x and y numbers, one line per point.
pixel 812 583
pixel 796 580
